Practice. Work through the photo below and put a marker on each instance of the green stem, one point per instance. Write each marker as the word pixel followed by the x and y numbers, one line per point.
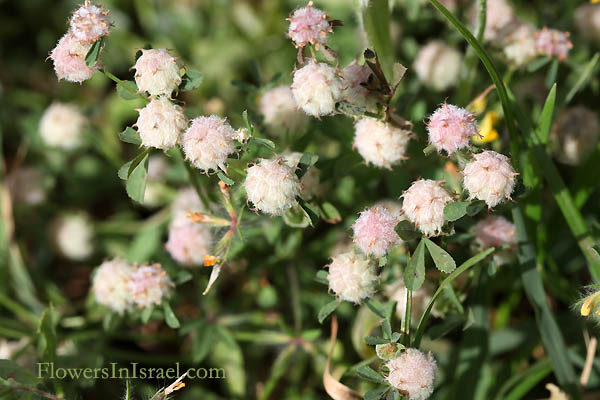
pixel 481 19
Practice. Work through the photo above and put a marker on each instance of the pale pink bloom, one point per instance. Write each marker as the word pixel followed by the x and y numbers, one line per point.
pixel 149 285
pixel 160 123
pixel 352 277
pixel 424 204
pixel 188 241
pixel 157 72
pixel 110 285
pixel 281 113
pixel 69 59
pixel 438 65
pixel 520 44
pixel 308 25
pixel 495 232
pixel 380 143
pixel 89 23
pixel 317 88
pixel 450 128
pixel 374 231
pixel 553 43
pixel 490 177
pixel 272 186
pixel 413 374
pixel 62 125
pixel 208 142
pixel 500 19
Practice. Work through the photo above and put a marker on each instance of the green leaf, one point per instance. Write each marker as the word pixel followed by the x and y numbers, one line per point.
pixel 374 340
pixel 311 211
pixel 552 72
pixel 414 273
pixel 377 24
pixel 226 180
pixel 306 161
pixel 376 394
pixel 443 261
pixel 183 276
pixel 584 77
pixel 456 210
pixel 369 374
pixel 538 63
pixel 136 183
pixel 47 332
pixel 203 342
pixel 330 213
pixel 263 142
pixel 327 309
pixel 322 277
pixel 91 58
pixel 16 373
pixel 475 207
pixel 407 231
pixel 146 314
pixel 123 172
pixel 127 90
pixel 545 123
pixel 129 135
pixel 296 217
pixel 190 80
pixel 387 329
pixel 377 308
pixel 170 317
pixel 127 390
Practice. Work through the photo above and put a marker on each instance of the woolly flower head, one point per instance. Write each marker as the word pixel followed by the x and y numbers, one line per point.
pixel 374 231
pixel 61 125
pixel 450 128
pixel 157 72
pixel 111 285
pixel 420 299
pixel 352 277
pixel 89 23
pixel 587 21
pixel 575 135
pixel 281 113
pixel 354 77
pixel 520 45
pixel 188 241
pixel 438 65
pixel 272 186
pixel 490 177
pixel 310 181
pixel 424 203
pixel 186 201
pixel 160 123
pixel 495 232
pixel 500 17
pixel 69 59
pixel 413 374
pixel 207 142
pixel 553 43
pixel 148 285
pixel 26 185
pixel 73 236
pixel 316 88
pixel 309 25
pixel 380 143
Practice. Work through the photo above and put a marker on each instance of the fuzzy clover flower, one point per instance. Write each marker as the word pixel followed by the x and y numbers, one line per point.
pixel 450 128
pixel 160 123
pixel 352 277
pixel 208 142
pixel 309 25
pixel 310 181
pixel 278 107
pixel 148 285
pixel 110 285
pixel 420 299
pixel 490 177
pixel 316 88
pixel 413 374
pixel 438 65
pixel 423 205
pixel 73 236
pixel 520 45
pixel 500 18
pixel 272 186
pixel 69 59
pixel 89 23
pixel 62 126
pixel 354 79
pixel 587 21
pixel 188 241
pixel 574 135
pixel 380 143
pixel 374 231
pixel 553 43
pixel 157 72
pixel 186 201
pixel 495 232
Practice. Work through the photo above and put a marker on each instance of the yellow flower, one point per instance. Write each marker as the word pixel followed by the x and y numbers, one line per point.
pixel 589 304
pixel 479 104
pixel 486 129
pixel 594 1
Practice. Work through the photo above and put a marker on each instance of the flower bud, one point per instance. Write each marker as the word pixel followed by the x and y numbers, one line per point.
pixel 73 236
pixel 148 285
pixel 374 231
pixel 69 59
pixel 413 374
pixel 62 126
pixel 352 277
pixel 110 285
pixel 317 88
pixel 575 135
pixel 89 23
pixel 489 177
pixel 188 241
pixel 380 143
pixel 309 25
pixel 281 113
pixel 160 123
pixel 438 65
pixel 424 204
pixel 354 77
pixel 272 186
pixel 207 143
pixel 157 72
pixel 450 128
pixel 553 43
pixel 310 181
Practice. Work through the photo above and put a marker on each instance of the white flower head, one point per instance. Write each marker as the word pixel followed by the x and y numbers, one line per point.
pixel 438 65
pixel 310 181
pixel 280 111
pixel 272 186
pixel 157 72
pixel 490 177
pixel 160 123
pixel 69 59
pixel 424 204
pixel 111 285
pixel 208 142
pixel 380 143
pixel 413 374
pixel 317 88
pixel 73 236
pixel 62 126
pixel 352 277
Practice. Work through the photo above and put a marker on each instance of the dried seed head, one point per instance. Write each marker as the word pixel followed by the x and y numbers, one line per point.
pixel 490 177
pixel 352 277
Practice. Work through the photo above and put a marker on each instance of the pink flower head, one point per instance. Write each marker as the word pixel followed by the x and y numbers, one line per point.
pixel 495 232
pixel 374 231
pixel 424 204
pixel 413 373
pixel 553 43
pixel 157 72
pixel 148 285
pixel 450 128
pixel 208 142
pixel 188 242
pixel 69 59
pixel 489 177
pixel 309 25
pixel 89 23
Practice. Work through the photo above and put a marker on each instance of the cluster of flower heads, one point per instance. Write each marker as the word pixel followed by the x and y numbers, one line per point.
pixel 121 286
pixel 88 24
